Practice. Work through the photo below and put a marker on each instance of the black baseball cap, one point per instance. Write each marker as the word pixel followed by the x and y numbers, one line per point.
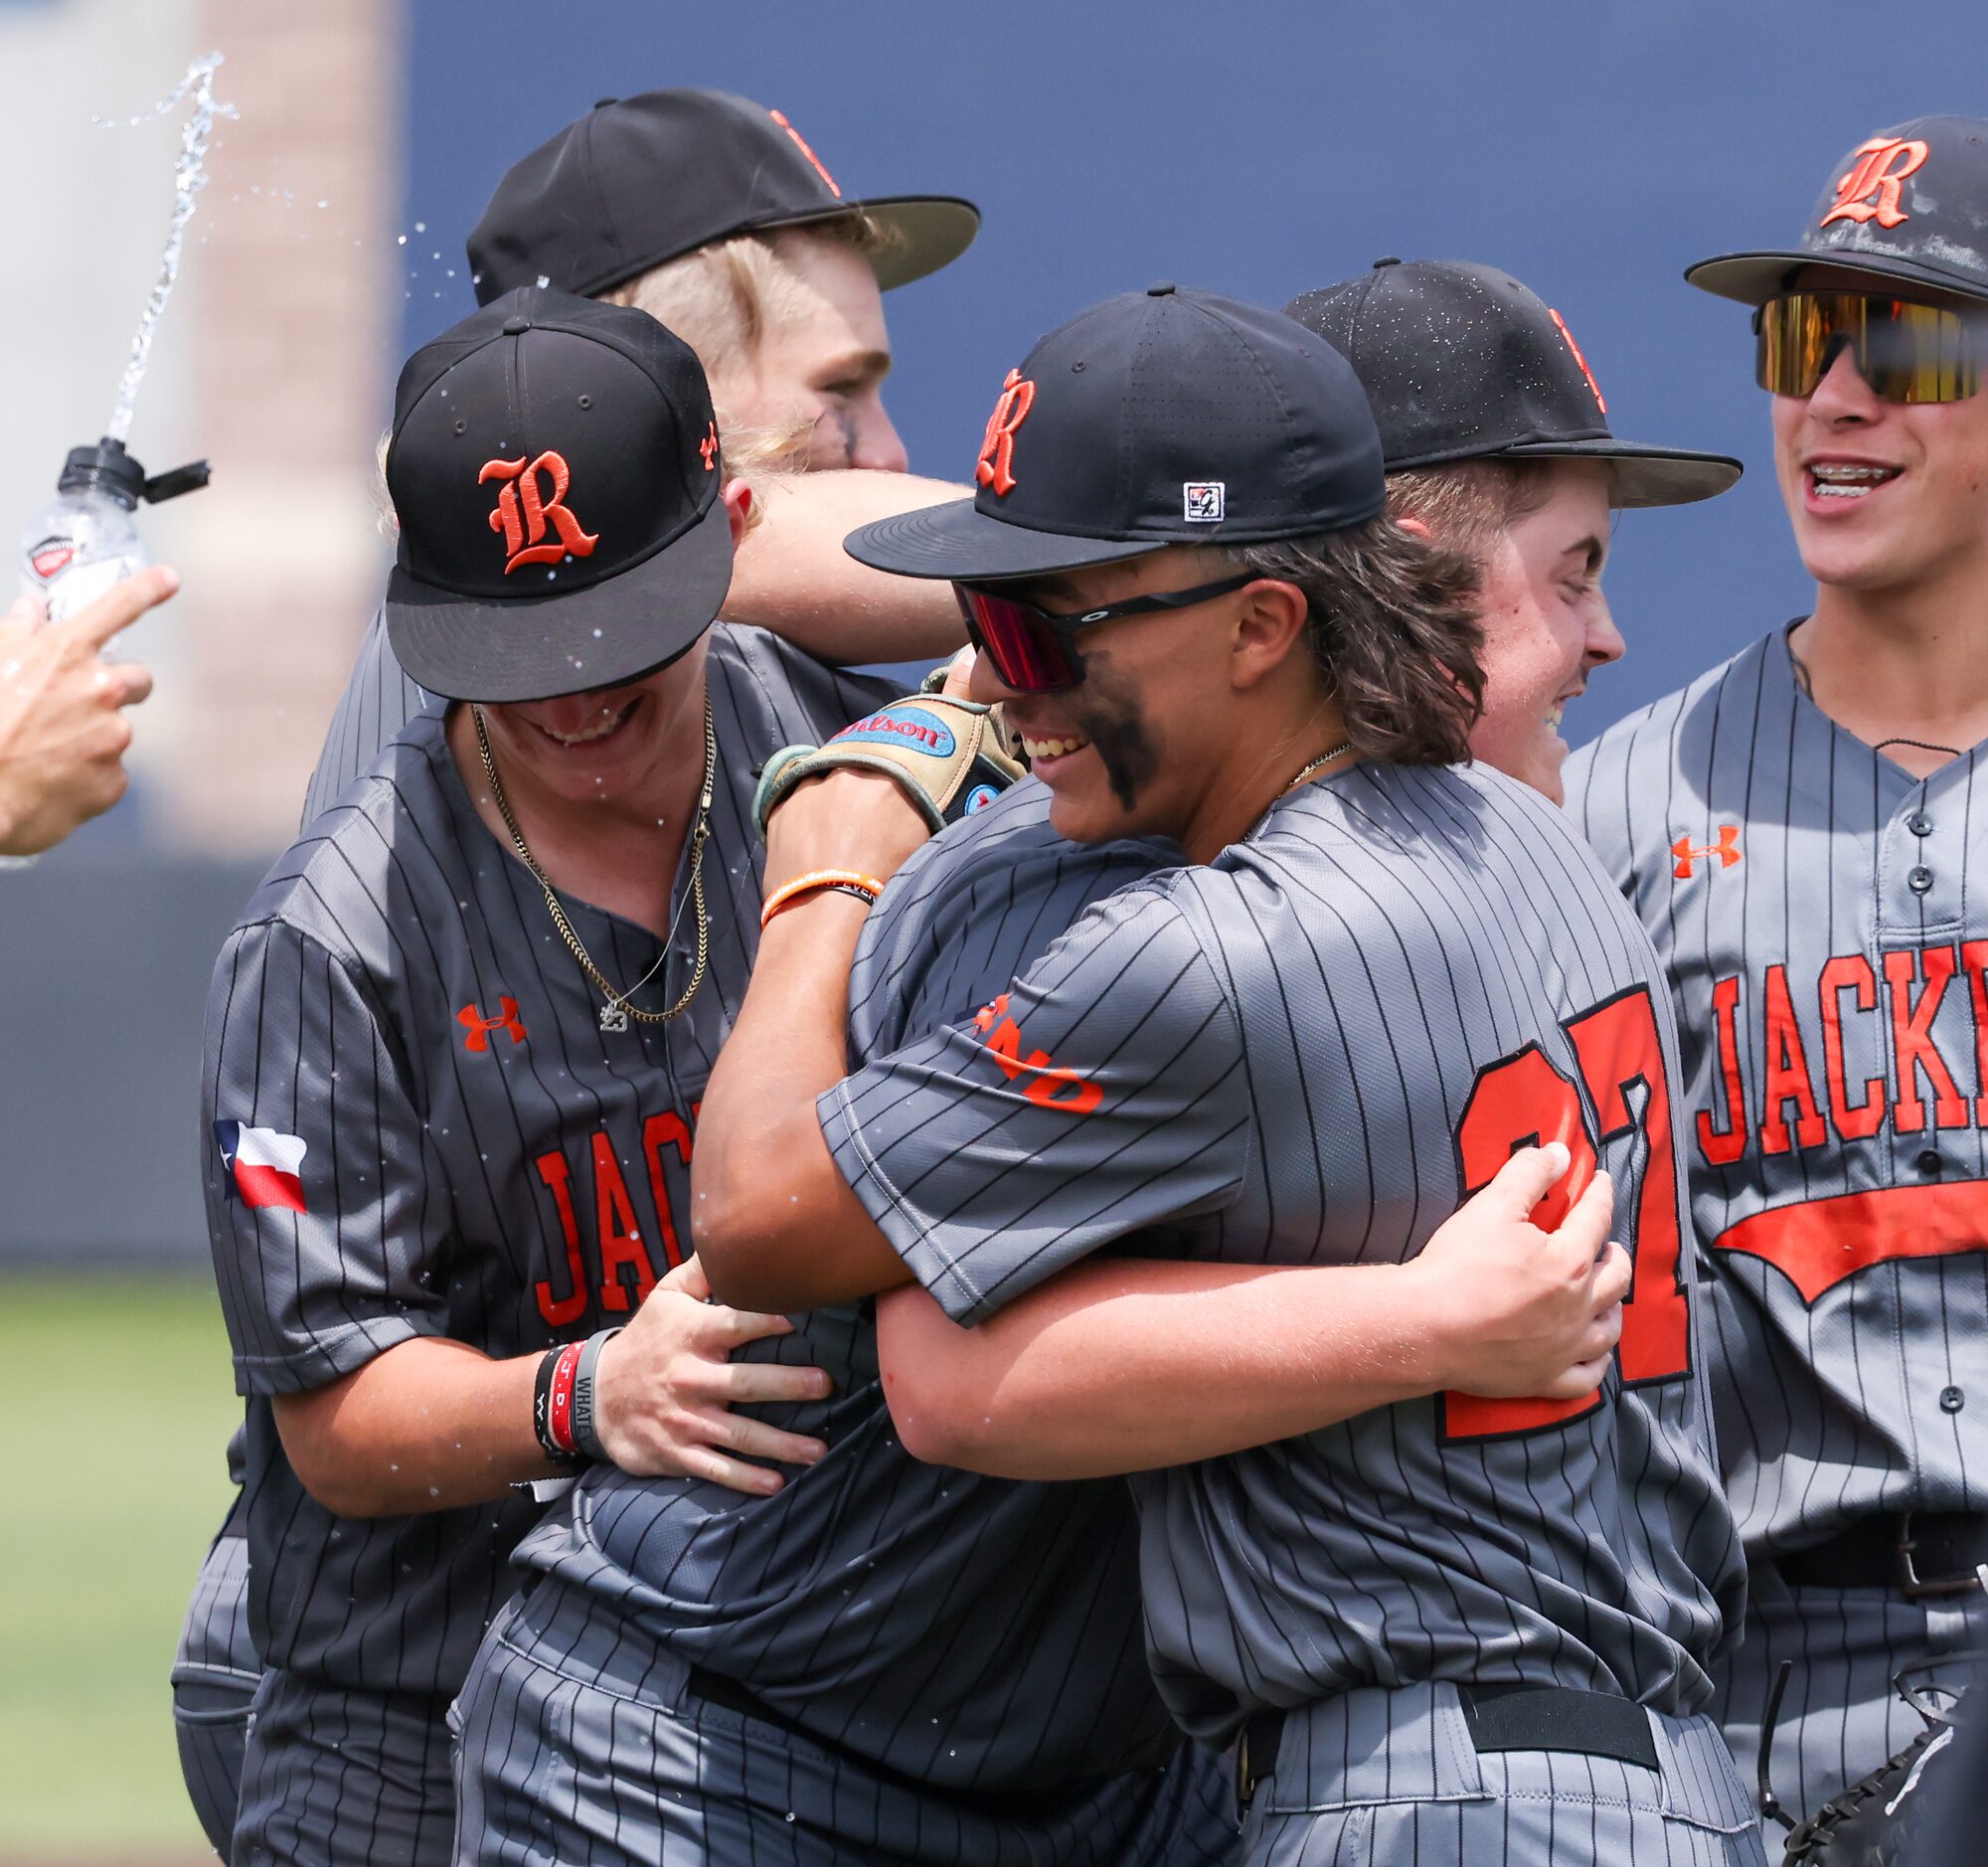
pixel 554 466
pixel 1157 417
pixel 1462 363
pixel 640 180
pixel 1905 206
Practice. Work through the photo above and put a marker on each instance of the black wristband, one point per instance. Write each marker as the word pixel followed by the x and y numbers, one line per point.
pixel 584 1433
pixel 542 1401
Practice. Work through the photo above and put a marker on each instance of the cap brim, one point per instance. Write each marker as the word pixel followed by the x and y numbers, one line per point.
pixel 566 641
pixel 921 232
pixel 1643 475
pixel 1755 278
pixel 961 543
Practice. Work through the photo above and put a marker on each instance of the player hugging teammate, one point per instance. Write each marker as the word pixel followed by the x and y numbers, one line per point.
pixel 1166 1076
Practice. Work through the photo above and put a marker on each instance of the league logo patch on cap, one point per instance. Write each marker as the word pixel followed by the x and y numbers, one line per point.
pixel 1871 191
pixel 1203 502
pixel 996 468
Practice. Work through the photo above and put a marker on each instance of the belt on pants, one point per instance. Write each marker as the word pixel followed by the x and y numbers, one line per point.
pixel 1499 1718
pixel 1915 1553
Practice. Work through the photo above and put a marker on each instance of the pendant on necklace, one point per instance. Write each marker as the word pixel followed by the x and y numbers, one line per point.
pixel 613 1018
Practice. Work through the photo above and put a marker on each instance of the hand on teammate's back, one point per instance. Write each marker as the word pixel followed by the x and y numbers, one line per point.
pixel 62 730
pixel 666 1386
pixel 1516 1311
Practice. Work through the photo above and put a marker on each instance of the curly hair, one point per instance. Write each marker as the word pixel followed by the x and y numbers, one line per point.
pixel 1394 629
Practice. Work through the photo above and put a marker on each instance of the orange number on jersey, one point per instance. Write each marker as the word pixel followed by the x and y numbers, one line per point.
pixel 1525 1101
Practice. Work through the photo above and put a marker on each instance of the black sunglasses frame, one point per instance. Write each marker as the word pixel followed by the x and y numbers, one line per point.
pixel 1064 628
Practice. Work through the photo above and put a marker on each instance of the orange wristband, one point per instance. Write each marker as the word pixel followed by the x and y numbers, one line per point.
pixel 849 880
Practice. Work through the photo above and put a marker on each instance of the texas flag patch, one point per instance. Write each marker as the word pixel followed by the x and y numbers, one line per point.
pixel 264 1167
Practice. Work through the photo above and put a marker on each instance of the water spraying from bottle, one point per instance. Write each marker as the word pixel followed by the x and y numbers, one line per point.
pixel 189 178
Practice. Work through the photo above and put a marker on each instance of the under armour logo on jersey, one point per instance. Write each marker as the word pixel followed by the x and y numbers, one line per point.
pixel 522 511
pixel 1725 851
pixel 1871 191
pixel 1560 324
pixel 1049 1085
pixel 996 466
pixel 801 143
pixel 478 1027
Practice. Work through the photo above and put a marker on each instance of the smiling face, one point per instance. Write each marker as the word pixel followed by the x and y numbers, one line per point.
pixel 1886 498
pixel 1545 623
pixel 820 362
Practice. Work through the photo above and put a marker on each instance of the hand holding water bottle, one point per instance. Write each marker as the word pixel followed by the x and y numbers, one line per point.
pixel 63 730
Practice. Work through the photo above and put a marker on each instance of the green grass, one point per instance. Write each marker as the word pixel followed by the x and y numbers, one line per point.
pixel 121 1400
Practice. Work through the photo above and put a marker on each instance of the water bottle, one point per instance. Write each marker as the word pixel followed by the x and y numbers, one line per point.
pixel 87 540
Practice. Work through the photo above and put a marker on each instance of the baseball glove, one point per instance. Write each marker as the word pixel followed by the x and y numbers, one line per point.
pixel 950 757
pixel 1878 1821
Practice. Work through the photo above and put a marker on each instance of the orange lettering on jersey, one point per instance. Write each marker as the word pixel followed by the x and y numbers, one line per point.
pixel 522 511
pixel 562 1312
pixel 1787 1077
pixel 1854 1121
pixel 996 468
pixel 477 1028
pixel 1819 1243
pixel 1871 189
pixel 1049 1085
pixel 1560 324
pixel 621 1239
pixel 658 1133
pixel 1723 1144
pixel 1727 850
pixel 1911 1035
pixel 1974 960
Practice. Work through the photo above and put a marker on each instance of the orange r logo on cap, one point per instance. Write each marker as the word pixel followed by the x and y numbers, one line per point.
pixel 997 448
pixel 523 531
pixel 1560 324
pixel 1871 191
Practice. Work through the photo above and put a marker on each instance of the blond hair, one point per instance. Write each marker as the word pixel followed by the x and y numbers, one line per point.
pixel 723 299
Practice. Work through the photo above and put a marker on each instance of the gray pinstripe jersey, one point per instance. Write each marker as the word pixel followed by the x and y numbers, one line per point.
pixel 1301 1054
pixel 379 699
pixel 397 1023
pixel 966 1631
pixel 1828 950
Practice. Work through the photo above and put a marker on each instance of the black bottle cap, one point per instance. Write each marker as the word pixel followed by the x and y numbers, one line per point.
pixel 109 469
pixel 106 467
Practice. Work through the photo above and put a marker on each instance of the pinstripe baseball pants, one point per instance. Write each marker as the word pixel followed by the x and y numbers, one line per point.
pixel 214 1675
pixel 332 1778
pixel 579 1743
pixel 1390 1778
pixel 1841 1716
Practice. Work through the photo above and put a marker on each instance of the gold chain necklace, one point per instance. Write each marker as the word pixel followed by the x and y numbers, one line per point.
pixel 614 1015
pixel 1305 771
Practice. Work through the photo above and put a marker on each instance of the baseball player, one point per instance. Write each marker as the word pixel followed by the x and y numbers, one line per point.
pixel 1795 830
pixel 651 1665
pixel 773 279
pixel 716 214
pixel 457 1044
pixel 1442 1629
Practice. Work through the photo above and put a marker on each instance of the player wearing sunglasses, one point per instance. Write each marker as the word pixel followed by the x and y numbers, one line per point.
pixel 1796 830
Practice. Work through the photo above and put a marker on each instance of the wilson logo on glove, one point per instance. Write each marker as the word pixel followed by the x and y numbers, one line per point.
pixel 914 728
pixel 947 756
